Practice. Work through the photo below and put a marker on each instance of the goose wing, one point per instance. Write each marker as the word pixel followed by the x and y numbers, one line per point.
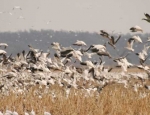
pixel 118 39
pixel 147 16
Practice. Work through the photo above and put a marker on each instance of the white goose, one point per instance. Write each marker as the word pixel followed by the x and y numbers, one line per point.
pixel 136 29
pixel 56 46
pixel 130 44
pixel 4 44
pixel 96 48
pixel 137 39
pixel 2 52
pixel 80 43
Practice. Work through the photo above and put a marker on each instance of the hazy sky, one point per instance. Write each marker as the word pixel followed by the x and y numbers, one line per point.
pixel 75 15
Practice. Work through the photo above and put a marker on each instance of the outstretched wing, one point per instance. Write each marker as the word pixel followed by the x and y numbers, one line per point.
pixel 147 15
pixel 118 39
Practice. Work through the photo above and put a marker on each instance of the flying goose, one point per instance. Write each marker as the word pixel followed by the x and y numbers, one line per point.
pixel 136 29
pixel 80 43
pixel 4 44
pixel 147 17
pixel 101 53
pixel 17 7
pixel 56 46
pixel 122 57
pixel 142 57
pixel 145 50
pixel 65 51
pixel 104 34
pixel 137 39
pixel 112 41
pixel 32 49
pixel 96 48
pixel 88 64
pixel 148 39
pixel 130 44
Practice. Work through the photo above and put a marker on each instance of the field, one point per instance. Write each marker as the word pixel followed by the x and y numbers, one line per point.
pixel 114 99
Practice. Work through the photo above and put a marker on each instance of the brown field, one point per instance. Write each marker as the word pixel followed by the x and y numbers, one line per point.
pixel 114 99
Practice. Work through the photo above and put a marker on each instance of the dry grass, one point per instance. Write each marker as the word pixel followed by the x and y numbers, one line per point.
pixel 113 100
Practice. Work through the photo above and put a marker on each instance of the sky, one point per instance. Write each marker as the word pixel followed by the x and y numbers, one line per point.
pixel 74 15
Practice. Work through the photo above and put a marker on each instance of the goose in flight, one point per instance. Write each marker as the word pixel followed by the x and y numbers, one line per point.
pixel 4 44
pixel 123 62
pixel 137 39
pixel 143 54
pixel 122 57
pixel 96 48
pixel 17 7
pixel 2 52
pixel 56 46
pixel 102 53
pixel 136 29
pixel 104 34
pixel 32 49
pixel 76 54
pixel 88 64
pixel 145 50
pixel 112 41
pixel 80 43
pixel 148 39
pixel 147 17
pixel 130 44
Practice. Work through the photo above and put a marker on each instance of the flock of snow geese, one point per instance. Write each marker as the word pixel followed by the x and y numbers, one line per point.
pixel 67 68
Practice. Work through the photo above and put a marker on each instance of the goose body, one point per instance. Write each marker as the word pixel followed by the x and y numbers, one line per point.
pixel 80 43
pixel 137 39
pixel 4 44
pixel 130 44
pixel 136 29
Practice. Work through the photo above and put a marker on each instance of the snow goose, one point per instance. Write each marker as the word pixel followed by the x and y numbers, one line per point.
pixel 147 17
pixel 136 29
pixel 80 43
pixel 130 44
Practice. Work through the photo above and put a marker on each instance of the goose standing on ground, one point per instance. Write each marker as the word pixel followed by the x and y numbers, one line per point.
pixel 136 29
pixel 147 17
pixel 130 44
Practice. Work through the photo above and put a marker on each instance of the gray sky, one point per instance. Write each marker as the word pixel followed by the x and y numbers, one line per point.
pixel 75 15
